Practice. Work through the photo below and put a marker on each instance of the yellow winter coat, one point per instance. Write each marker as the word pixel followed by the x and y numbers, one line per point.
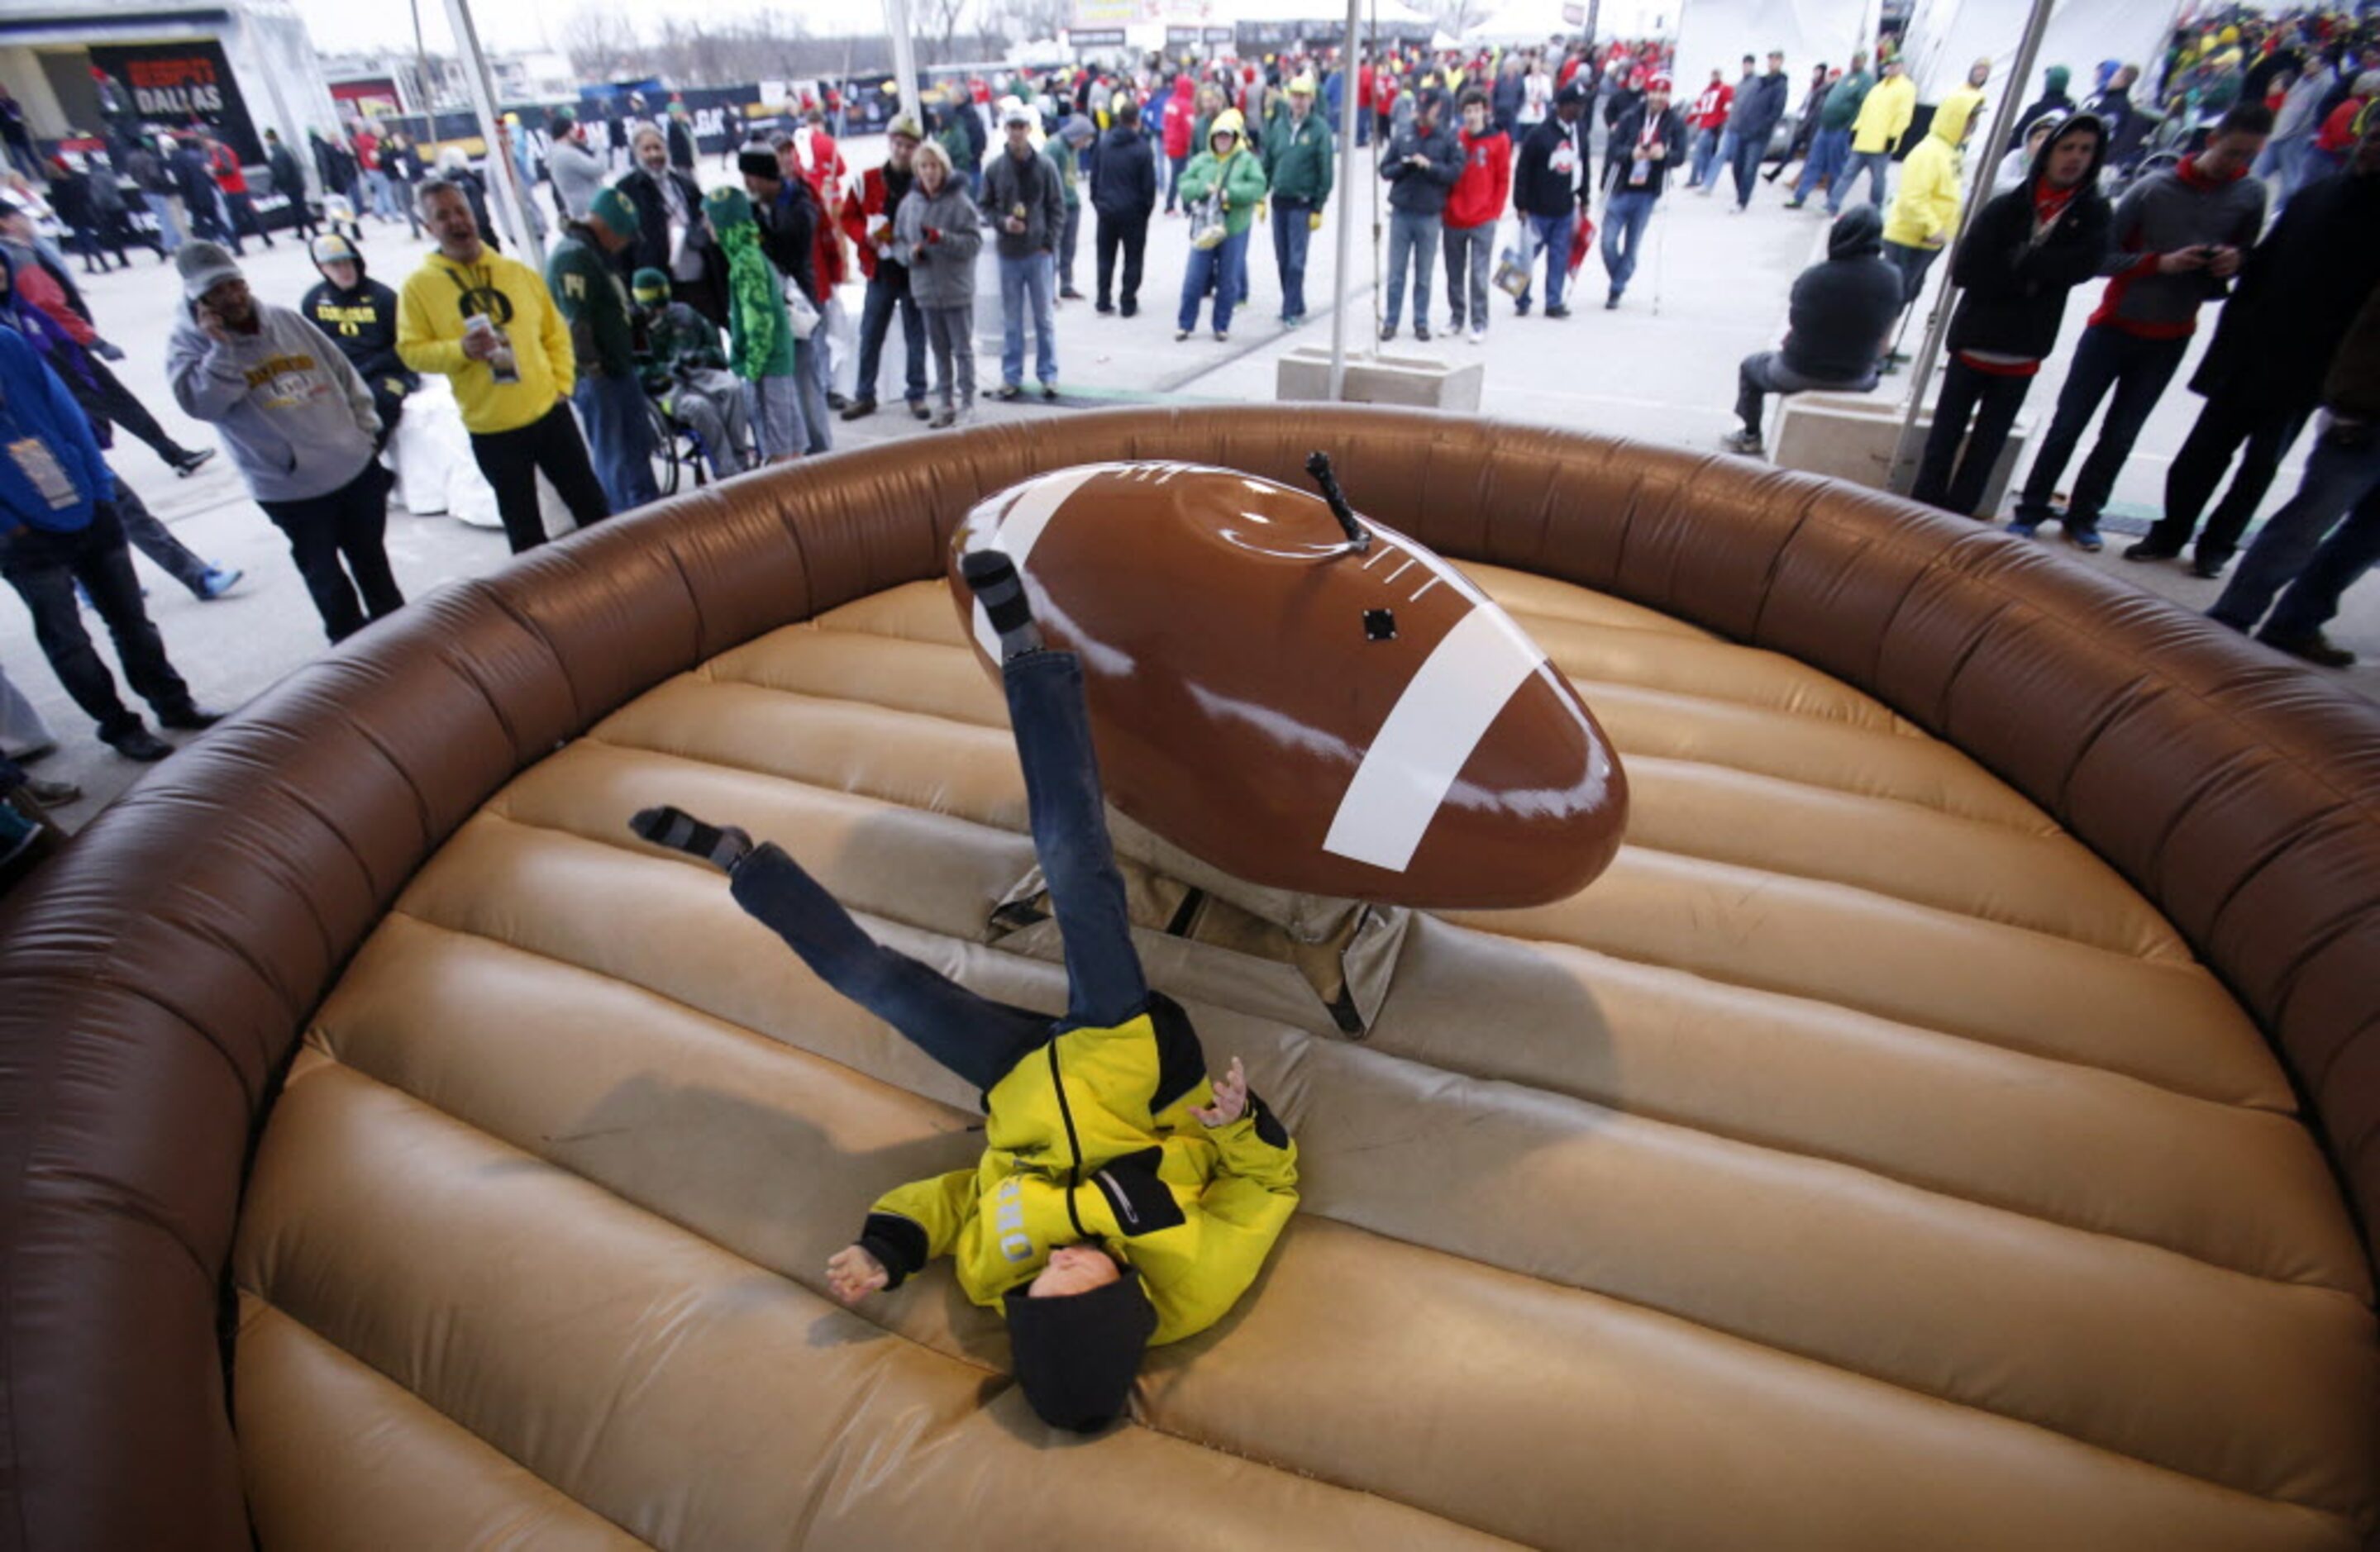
pixel 1884 116
pixel 1091 1139
pixel 1927 205
pixel 441 295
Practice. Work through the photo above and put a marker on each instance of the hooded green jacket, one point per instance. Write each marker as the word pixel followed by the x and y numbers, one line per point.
pixel 1240 175
pixel 1297 158
pixel 759 331
pixel 1091 1139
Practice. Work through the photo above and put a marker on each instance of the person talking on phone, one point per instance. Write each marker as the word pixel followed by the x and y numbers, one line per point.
pixel 2175 241
pixel 487 323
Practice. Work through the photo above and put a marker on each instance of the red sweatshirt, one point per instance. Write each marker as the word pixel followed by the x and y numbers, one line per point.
pixel 1486 184
pixel 1711 107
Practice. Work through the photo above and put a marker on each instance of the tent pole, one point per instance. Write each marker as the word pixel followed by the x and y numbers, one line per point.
pixel 1350 63
pixel 1901 473
pixel 905 58
pixel 483 102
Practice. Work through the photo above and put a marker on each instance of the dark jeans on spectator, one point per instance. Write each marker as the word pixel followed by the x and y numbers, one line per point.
pixel 2137 369
pixel 349 524
pixel 619 438
pixel 978 1039
pixel 2228 420
pixel 43 568
pixel 104 398
pixel 1912 262
pixel 1129 233
pixel 1745 156
pixel 244 220
pixel 1766 373
pixel 1874 165
pixel 1291 230
pixel 1947 478
pixel 888 289
pixel 512 460
pixel 1070 240
pixel 2341 476
pixel 146 534
pixel 1174 182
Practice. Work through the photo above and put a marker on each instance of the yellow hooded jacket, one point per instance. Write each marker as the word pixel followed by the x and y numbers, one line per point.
pixel 1884 116
pixel 1926 206
pixel 1091 1139
pixel 441 295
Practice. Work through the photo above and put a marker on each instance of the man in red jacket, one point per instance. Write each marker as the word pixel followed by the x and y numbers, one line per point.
pixel 223 163
pixel 1180 118
pixel 1472 210
pixel 867 222
pixel 1705 122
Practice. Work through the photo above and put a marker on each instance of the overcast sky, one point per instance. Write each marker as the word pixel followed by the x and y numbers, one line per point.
pixel 342 26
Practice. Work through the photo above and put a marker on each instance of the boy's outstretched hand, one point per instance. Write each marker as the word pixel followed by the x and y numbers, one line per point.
pixel 1230 1098
pixel 853 1274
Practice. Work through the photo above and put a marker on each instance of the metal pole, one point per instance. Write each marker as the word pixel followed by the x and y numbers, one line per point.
pixel 1903 471
pixel 483 102
pixel 905 58
pixel 1350 67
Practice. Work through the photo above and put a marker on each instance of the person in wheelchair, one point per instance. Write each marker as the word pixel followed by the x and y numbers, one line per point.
pixel 684 374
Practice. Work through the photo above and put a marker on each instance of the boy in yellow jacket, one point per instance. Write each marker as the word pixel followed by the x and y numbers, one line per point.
pixel 1122 1198
pixel 489 326
pixel 1924 214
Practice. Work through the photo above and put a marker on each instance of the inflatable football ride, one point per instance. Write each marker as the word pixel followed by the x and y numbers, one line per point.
pixel 1932 1102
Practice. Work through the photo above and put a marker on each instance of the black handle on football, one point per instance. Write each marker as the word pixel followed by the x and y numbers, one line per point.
pixel 1359 537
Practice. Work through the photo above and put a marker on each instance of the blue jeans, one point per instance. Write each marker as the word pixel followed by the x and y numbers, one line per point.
pixel 1217 267
pixel 1413 243
pixel 2137 369
pixel 1706 156
pixel 1291 234
pixel 619 439
pixel 972 1035
pixel 1624 216
pixel 1032 277
pixel 875 321
pixel 1830 153
pixel 1746 164
pixel 1875 164
pixel 1549 234
pixel 2338 477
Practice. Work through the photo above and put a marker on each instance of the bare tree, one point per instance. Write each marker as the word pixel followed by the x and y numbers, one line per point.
pixel 940 19
pixel 1026 21
pixel 1460 17
pixel 601 43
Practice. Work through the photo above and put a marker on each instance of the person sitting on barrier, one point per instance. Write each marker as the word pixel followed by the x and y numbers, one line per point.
pixel 685 373
pixel 1124 1199
pixel 1838 325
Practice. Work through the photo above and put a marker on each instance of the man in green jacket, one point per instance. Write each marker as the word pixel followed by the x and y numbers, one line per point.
pixel 1297 163
pixel 585 280
pixel 1830 150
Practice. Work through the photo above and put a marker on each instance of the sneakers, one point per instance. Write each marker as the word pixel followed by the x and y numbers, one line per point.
pixel 1050 391
pixel 53 795
pixel 1181 334
pixel 1103 308
pixel 859 409
pixel 1746 443
pixel 1611 303
pixel 945 418
pixel 1128 309
pixel 1008 392
pixel 1558 311
pixel 189 464
pixel 2208 568
pixel 2312 647
pixel 215 581
pixel 1519 307
pixel 2022 529
pixel 1478 334
pixel 835 401
pixel 1421 332
pixel 190 719
pixel 1222 336
pixel 1294 320
pixel 921 409
pixel 1388 332
pixel 137 743
pixel 1796 203
pixel 2150 550
pixel 1069 295
pixel 2085 538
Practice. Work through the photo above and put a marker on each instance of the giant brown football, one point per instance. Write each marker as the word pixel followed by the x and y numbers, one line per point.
pixel 1301 697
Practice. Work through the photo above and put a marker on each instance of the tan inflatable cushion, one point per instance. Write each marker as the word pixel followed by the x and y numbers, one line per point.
pixel 1859 1164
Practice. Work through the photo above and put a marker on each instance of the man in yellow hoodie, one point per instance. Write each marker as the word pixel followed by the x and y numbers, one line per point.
pixel 487 324
pixel 1122 1198
pixel 1875 135
pixel 1924 214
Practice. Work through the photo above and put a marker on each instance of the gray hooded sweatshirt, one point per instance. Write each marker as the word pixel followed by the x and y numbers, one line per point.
pixel 294 417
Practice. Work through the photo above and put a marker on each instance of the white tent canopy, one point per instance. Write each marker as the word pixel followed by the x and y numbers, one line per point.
pixel 1388 12
pixel 1947 36
pixel 1717 33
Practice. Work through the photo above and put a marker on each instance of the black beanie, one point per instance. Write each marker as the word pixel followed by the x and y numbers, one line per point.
pixel 1076 1355
pixel 759 164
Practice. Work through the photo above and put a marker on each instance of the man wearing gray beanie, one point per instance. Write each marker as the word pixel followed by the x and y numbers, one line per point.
pixel 300 424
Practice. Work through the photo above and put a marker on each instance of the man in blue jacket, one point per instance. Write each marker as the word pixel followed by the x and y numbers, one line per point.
pixel 1422 166
pixel 58 527
pixel 1759 106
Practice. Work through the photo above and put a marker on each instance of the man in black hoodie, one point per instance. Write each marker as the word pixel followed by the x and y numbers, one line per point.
pixel 2262 375
pixel 2021 255
pixel 359 314
pixel 1838 325
pixel 1550 186
pixel 1123 192
pixel 1422 166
